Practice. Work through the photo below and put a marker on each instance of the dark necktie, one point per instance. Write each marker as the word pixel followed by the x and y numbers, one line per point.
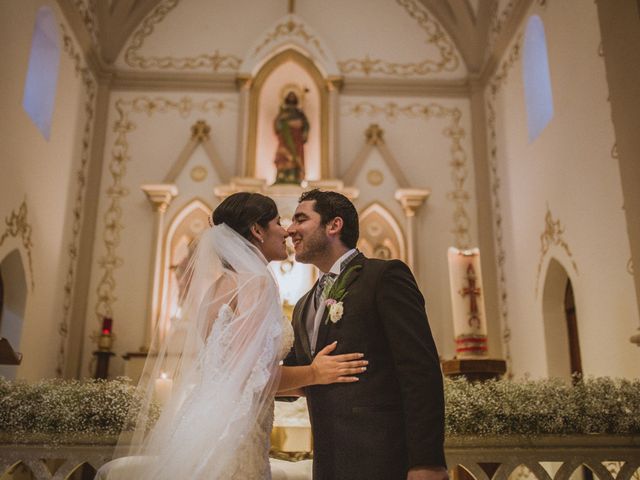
pixel 322 284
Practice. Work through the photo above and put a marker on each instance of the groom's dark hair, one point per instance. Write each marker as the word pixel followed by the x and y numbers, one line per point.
pixel 331 205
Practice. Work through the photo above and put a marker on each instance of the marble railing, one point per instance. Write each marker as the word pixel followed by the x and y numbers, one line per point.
pixel 500 458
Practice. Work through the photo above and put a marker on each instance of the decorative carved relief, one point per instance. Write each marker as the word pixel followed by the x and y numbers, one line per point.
pixel 552 235
pixel 436 36
pixel 17 225
pixel 381 235
pixel 215 62
pixel 375 177
pixel 498 21
pixel 495 84
pixel 117 190
pixel 87 11
pixel 290 28
pixel 81 180
pixel 454 131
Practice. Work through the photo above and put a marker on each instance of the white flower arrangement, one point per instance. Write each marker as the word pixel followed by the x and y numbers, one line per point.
pixel 68 408
pixel 57 409
pixel 550 406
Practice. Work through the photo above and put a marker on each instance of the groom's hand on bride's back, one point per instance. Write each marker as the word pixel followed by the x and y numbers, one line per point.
pixel 342 368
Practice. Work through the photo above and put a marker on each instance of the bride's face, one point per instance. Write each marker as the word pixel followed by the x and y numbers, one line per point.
pixel 274 246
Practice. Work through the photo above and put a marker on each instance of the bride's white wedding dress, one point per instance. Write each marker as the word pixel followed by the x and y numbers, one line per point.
pixel 223 358
pixel 252 459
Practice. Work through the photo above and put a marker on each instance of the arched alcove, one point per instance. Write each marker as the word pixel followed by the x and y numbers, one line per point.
pixel 184 229
pixel 380 234
pixel 289 70
pixel 560 323
pixel 14 292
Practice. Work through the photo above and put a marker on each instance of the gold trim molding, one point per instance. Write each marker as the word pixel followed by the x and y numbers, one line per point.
pixel 90 89
pixel 290 28
pixel 87 11
pixel 448 61
pixel 454 131
pixel 110 261
pixel 215 62
pixel 552 235
pixel 17 225
pixel 495 85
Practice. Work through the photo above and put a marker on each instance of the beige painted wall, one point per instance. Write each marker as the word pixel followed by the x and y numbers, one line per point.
pixel 45 174
pixel 569 171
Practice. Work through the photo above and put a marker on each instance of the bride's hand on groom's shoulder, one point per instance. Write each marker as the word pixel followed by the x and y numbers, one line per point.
pixel 329 368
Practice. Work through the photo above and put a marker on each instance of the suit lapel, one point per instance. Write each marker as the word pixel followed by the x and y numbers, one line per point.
pixel 300 321
pixel 323 329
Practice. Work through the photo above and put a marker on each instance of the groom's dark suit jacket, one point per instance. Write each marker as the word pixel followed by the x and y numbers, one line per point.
pixel 392 419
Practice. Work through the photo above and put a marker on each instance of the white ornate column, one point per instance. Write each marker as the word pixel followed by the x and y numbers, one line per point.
pixel 411 199
pixel 160 197
pixel 243 83
pixel 334 84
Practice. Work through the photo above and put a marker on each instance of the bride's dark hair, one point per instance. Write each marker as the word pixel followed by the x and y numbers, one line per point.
pixel 243 209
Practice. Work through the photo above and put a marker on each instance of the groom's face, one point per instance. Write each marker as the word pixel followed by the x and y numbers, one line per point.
pixel 309 236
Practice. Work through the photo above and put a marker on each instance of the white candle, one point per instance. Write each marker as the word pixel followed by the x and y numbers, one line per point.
pixel 467 301
pixel 163 387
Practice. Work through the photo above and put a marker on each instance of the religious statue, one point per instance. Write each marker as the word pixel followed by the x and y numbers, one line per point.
pixel 292 129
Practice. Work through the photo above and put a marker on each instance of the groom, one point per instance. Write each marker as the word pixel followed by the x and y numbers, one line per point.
pixel 389 425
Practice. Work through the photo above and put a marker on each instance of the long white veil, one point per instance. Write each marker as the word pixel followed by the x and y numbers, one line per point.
pixel 219 360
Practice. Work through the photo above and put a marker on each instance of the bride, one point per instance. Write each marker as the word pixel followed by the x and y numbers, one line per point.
pixel 222 358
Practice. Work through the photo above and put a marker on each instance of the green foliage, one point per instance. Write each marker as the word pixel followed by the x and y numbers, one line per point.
pixel 550 406
pixel 68 407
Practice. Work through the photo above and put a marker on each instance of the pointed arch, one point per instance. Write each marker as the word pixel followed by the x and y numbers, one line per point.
pixel 179 242
pixel 14 301
pixel 299 59
pixel 42 74
pixel 380 234
pixel 560 323
pixel 200 136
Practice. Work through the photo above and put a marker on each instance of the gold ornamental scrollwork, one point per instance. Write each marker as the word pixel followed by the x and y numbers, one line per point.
pixel 436 36
pixel 90 89
pixel 454 131
pixel 290 28
pixel 17 225
pixel 495 85
pixel 553 234
pixel 87 11
pixel 499 19
pixel 215 62
pixel 110 261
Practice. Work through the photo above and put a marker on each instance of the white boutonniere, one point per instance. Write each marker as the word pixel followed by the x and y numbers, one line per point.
pixel 336 309
pixel 336 294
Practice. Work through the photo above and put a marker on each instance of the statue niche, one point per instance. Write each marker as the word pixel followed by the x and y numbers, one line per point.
pixel 292 130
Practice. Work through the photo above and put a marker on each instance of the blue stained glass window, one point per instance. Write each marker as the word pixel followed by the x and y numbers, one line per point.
pixel 537 80
pixel 42 75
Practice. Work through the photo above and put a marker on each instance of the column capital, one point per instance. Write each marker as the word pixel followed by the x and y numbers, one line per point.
pixel 160 195
pixel 411 199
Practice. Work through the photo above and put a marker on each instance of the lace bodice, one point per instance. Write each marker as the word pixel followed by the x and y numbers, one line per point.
pixel 252 459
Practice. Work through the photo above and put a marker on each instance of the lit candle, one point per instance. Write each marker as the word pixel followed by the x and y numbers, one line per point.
pixel 163 387
pixel 467 301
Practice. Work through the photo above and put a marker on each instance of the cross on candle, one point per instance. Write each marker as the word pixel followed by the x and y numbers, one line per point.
pixel 473 292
